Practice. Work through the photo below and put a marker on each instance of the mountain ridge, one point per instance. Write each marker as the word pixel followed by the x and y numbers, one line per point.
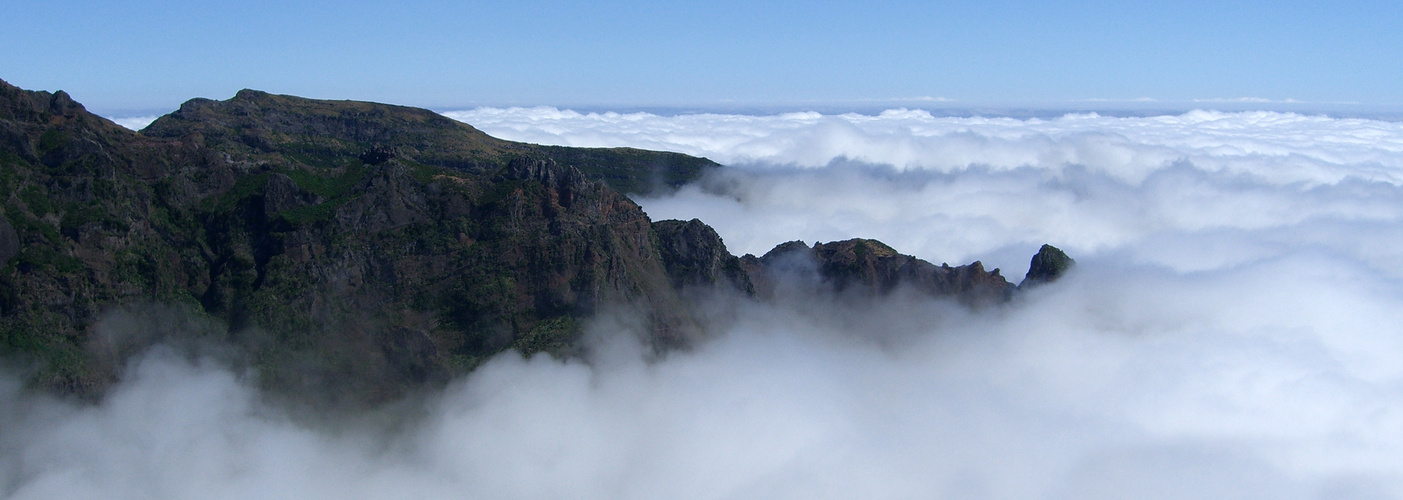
pixel 354 251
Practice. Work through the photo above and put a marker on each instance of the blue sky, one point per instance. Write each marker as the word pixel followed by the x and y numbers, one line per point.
pixel 151 55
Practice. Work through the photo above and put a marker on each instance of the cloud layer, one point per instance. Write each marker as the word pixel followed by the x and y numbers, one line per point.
pixel 1231 332
pixel 1192 191
pixel 1281 148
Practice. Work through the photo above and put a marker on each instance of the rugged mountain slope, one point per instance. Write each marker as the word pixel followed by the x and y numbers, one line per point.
pixel 89 231
pixel 354 251
pixel 331 265
pixel 864 267
pixel 696 258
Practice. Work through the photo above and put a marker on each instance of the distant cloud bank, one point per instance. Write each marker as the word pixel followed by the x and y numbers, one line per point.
pixel 135 122
pixel 964 188
pixel 1282 147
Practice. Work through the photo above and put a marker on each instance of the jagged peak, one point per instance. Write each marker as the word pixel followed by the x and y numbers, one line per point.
pixel 1046 266
pixel 545 170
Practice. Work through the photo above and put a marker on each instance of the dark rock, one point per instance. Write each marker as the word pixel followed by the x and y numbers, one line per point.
pixel 9 240
pixel 14 140
pixel 869 268
pixel 282 193
pixel 695 256
pixel 411 353
pixel 545 171
pixel 63 105
pixel 390 198
pixel 1049 264
pixel 377 154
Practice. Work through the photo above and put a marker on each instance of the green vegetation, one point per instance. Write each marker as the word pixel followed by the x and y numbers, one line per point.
pixel 37 199
pixel 51 139
pixel 334 185
pixel 322 156
pixel 245 187
pixel 37 256
pixel 555 336
pixel 77 215
pixel 425 173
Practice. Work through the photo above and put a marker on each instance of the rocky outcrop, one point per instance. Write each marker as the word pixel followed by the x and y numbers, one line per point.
pixel 388 198
pixel 870 268
pixel 283 193
pixel 695 257
pixel 1047 265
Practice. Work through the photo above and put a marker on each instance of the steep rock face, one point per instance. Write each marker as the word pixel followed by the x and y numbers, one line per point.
pixel 695 257
pixel 83 229
pixel 337 276
pixel 870 268
pixel 411 280
pixel 283 193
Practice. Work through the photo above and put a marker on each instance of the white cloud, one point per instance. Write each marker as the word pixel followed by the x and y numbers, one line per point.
pixel 1231 332
pixel 135 122
pixel 1279 148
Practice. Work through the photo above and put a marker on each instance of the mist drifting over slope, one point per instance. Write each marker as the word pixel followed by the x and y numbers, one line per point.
pixel 1232 331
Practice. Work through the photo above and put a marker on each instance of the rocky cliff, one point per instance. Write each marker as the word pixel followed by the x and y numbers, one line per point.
pixel 289 131
pixel 863 267
pixel 353 251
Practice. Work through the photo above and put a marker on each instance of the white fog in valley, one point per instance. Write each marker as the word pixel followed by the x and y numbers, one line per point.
pixel 1233 329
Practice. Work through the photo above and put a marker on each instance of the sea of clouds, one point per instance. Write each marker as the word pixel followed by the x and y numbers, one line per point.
pixel 1234 329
